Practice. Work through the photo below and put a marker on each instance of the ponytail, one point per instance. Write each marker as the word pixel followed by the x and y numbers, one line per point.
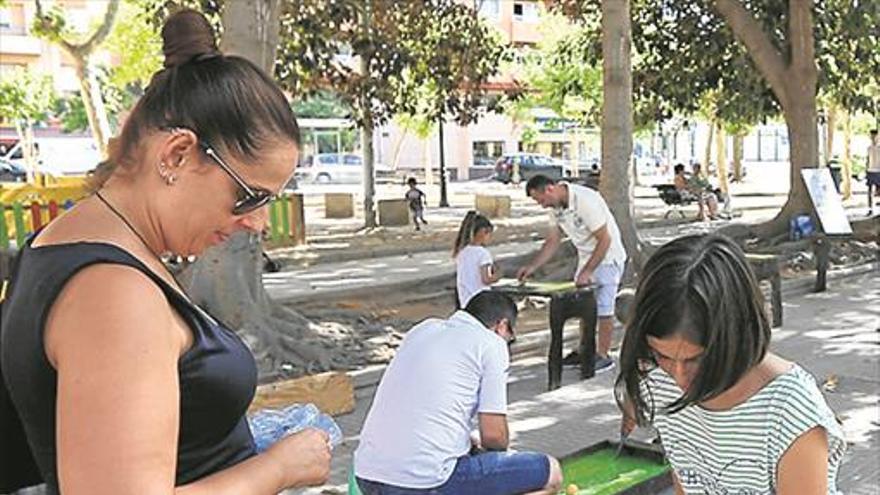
pixel 473 222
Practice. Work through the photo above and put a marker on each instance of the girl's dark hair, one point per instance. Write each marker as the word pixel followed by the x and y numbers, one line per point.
pixel 473 222
pixel 702 288
pixel 227 101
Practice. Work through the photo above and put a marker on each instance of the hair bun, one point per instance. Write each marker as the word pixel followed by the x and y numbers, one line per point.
pixel 187 35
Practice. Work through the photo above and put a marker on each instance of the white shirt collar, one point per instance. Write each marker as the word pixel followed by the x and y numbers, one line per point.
pixel 463 317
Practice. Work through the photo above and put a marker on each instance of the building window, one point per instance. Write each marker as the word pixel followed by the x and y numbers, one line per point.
pixel 525 11
pixel 525 147
pixel 560 150
pixel 487 152
pixel 490 8
pixel 12 20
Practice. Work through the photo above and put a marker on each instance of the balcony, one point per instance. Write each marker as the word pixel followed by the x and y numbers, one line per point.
pixel 19 44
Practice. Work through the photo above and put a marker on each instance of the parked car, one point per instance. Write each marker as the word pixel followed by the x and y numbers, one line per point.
pixel 11 172
pixel 529 165
pixel 484 161
pixel 337 168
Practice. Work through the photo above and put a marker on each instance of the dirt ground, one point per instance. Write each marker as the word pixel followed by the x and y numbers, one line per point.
pixel 366 330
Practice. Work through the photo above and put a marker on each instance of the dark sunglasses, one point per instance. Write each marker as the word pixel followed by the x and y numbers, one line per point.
pixel 253 198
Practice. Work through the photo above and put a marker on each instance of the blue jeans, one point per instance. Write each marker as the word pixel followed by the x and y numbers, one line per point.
pixel 489 473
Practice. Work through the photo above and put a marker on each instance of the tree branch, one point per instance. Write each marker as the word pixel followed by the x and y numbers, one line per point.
pixel 747 30
pixel 98 37
pixel 65 45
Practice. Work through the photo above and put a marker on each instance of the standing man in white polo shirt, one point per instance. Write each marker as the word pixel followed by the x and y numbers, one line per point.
pixel 582 214
pixel 447 376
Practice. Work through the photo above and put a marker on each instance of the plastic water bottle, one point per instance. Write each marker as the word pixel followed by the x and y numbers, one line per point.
pixel 326 423
pixel 270 425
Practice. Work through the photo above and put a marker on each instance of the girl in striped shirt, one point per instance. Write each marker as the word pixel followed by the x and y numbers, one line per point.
pixel 732 416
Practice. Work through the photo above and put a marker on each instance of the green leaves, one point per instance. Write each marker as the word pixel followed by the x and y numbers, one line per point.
pixel 427 58
pixel 136 43
pixel 25 96
pixel 684 50
pixel 51 25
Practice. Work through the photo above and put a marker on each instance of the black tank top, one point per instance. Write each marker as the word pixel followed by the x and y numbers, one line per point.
pixel 217 375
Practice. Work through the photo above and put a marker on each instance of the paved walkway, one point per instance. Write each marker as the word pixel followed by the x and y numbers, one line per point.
pixel 832 333
pixel 336 279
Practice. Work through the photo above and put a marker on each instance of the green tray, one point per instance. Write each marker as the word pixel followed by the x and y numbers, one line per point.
pixel 641 469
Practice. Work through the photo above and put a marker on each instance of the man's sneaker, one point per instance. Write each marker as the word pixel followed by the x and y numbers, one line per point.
pixel 603 364
pixel 572 359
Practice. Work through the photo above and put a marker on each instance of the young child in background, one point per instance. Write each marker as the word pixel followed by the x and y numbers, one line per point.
pixel 417 202
pixel 475 268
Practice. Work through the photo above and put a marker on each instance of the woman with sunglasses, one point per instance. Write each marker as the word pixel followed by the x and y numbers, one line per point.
pixel 732 416
pixel 122 384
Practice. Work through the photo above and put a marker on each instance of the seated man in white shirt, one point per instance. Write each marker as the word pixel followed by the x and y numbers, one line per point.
pixel 447 374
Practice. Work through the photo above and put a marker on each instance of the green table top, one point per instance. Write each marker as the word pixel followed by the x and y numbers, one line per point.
pixel 549 288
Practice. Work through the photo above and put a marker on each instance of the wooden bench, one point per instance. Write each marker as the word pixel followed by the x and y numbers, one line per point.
pixel 673 199
pixel 766 267
pixel 332 392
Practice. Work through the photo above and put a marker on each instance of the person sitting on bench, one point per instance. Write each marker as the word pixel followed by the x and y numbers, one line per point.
pixel 696 188
pixel 446 374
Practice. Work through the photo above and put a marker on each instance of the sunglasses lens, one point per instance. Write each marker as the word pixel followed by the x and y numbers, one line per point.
pixel 251 203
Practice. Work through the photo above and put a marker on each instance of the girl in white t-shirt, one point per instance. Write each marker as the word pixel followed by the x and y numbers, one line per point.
pixel 475 268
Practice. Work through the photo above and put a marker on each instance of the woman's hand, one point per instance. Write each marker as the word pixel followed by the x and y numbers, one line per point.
pixel 304 458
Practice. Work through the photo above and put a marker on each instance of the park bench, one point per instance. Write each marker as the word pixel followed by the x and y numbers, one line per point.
pixel 673 199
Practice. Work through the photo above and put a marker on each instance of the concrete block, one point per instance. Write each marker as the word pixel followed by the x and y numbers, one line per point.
pixel 393 212
pixel 338 205
pixel 493 206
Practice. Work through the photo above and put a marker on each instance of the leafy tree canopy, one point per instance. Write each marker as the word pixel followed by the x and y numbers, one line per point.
pixel 25 96
pixel 685 52
pixel 406 48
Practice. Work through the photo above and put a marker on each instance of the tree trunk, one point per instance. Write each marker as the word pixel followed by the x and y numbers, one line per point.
pixel 227 282
pixel 369 184
pixel 250 29
pixel 90 91
pixel 25 133
pixel 830 123
pixel 427 164
pixel 617 126
pixel 707 156
pixel 793 80
pixel 721 157
pixel 227 279
pixel 738 139
pixel 846 166
pixel 398 147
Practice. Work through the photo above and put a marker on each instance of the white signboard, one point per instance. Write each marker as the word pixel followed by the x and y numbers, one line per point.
pixel 826 200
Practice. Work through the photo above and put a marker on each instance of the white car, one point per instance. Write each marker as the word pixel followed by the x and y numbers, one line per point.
pixel 336 168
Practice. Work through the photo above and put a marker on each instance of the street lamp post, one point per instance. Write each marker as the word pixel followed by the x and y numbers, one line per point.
pixel 444 202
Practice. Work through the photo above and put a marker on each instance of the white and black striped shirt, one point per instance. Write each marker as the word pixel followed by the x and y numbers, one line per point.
pixel 737 451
